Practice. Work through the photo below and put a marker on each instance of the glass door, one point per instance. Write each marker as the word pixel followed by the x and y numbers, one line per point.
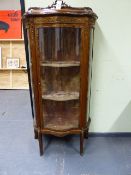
pixel 59 50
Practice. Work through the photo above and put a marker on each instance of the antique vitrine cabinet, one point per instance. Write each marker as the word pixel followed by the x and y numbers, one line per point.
pixel 59 43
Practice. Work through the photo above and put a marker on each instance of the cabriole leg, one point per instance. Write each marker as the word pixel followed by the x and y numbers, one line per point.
pixel 86 133
pixel 81 142
pixel 40 143
pixel 35 134
pixel 87 129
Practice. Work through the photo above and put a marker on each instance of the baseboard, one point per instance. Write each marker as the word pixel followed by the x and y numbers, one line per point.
pixel 110 134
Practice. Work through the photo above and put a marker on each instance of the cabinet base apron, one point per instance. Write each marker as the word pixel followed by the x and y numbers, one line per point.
pixel 38 134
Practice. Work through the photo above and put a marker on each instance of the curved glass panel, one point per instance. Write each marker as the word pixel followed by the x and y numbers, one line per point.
pixel 59 50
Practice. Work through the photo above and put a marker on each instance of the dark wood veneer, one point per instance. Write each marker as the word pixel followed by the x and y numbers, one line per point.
pixel 60 50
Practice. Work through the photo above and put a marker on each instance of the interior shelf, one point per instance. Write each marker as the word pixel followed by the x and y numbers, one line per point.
pixel 61 96
pixel 60 63
pixel 61 123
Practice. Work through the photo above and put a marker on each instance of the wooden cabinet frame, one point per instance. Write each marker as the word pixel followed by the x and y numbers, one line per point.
pixel 85 22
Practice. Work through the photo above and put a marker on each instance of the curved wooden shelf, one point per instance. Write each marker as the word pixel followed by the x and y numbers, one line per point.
pixel 61 124
pixel 61 133
pixel 61 96
pixel 60 63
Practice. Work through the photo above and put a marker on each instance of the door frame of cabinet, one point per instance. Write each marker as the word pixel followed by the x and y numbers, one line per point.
pixel 78 22
pixel 85 34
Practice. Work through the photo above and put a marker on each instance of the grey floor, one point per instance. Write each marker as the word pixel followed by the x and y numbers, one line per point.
pixel 19 153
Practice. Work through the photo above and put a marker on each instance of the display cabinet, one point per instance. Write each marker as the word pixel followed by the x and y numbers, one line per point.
pixel 59 43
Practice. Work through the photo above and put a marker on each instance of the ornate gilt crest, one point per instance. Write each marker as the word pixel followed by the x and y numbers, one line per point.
pixel 63 4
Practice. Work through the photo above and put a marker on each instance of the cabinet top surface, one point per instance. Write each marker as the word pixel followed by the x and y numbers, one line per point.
pixel 63 10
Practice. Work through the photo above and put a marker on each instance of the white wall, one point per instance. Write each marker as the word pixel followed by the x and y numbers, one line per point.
pixel 9 5
pixel 111 84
